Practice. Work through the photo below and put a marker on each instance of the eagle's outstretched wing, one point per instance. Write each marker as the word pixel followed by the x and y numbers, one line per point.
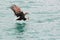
pixel 15 9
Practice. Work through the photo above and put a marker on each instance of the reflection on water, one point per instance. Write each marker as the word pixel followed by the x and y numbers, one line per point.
pixel 20 27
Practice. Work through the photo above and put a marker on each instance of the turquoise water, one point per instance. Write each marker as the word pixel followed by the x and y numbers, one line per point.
pixel 43 23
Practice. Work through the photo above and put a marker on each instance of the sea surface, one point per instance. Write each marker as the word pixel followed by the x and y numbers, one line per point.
pixel 43 23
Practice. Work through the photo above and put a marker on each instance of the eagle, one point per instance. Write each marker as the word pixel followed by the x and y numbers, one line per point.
pixel 18 12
